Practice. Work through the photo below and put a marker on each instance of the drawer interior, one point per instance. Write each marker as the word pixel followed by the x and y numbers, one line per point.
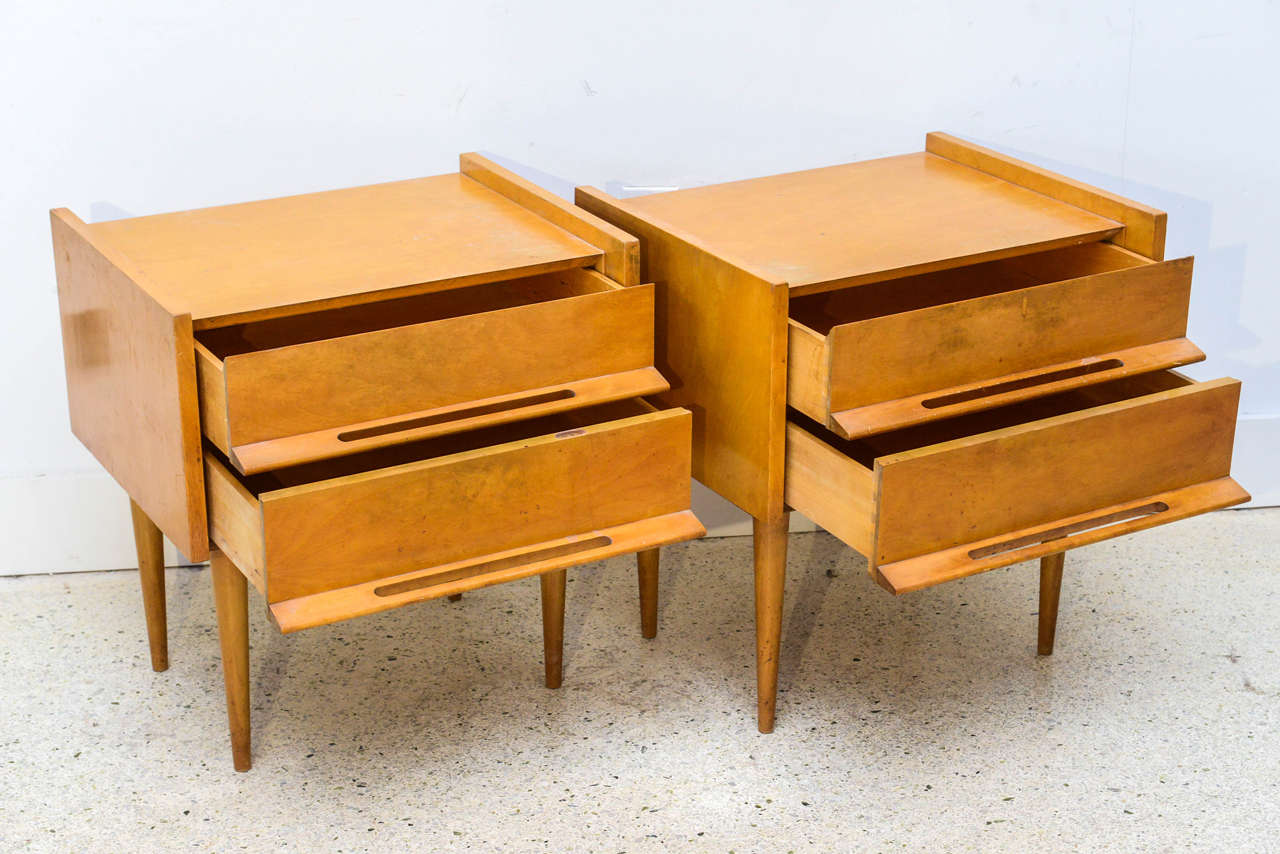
pixel 867 449
pixel 821 312
pixel 440 446
pixel 269 334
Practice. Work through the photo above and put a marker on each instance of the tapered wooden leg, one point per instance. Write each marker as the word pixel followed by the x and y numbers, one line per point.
pixel 647 570
pixel 150 545
pixel 553 624
pixel 770 539
pixel 1050 588
pixel 231 597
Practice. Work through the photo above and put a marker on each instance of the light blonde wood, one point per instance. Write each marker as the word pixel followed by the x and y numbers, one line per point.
pixel 825 310
pixel 489 565
pixel 621 260
pixel 827 487
pixel 808 371
pixel 1050 592
pixel 857 223
pixel 867 241
pixel 927 570
pixel 432 389
pixel 280 256
pixel 362 299
pixel 1017 414
pixel 230 596
pixel 647 575
pixel 357 600
pixel 971 488
pixel 235 522
pixel 552 584
pixel 474 502
pixel 1144 227
pixel 839 493
pixel 721 341
pixel 466 503
pixel 1012 388
pixel 769 536
pixel 472 415
pixel 395 311
pixel 211 381
pixel 150 546
pixel 956 343
pixel 335 382
pixel 131 382
pixel 458 496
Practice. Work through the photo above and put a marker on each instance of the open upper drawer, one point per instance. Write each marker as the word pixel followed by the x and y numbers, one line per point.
pixel 338 538
pixel 891 354
pixel 310 386
pixel 943 500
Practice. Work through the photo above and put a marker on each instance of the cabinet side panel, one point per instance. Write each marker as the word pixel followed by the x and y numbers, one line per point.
pixel 131 385
pixel 722 344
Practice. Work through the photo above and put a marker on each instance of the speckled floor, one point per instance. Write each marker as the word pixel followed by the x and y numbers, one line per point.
pixel 917 723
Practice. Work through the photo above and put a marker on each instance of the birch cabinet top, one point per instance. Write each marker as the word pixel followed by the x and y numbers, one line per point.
pixel 331 247
pixel 877 219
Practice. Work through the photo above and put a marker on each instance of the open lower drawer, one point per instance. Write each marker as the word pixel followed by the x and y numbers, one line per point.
pixel 338 538
pixel 943 500
pixel 295 389
pixel 878 357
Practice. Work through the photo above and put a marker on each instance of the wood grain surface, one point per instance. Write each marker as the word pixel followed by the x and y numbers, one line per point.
pixel 131 383
pixel 278 256
pixel 855 223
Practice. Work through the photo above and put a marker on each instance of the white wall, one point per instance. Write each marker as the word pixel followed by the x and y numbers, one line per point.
pixel 133 108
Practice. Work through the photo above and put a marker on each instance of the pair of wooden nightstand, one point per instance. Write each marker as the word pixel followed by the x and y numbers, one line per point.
pixel 365 398
pixel 952 360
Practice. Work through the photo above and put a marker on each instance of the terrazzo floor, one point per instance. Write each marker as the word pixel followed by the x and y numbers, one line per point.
pixel 919 723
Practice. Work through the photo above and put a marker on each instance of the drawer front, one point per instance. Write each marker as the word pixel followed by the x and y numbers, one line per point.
pixel 950 509
pixel 341 394
pixel 933 362
pixel 1006 480
pixel 418 517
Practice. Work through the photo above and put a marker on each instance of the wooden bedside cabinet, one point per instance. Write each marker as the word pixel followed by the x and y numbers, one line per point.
pixel 951 360
pixel 363 398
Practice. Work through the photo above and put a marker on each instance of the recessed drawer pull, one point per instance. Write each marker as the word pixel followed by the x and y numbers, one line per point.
pixel 487 566
pixel 1068 530
pixel 455 415
pixel 1021 383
